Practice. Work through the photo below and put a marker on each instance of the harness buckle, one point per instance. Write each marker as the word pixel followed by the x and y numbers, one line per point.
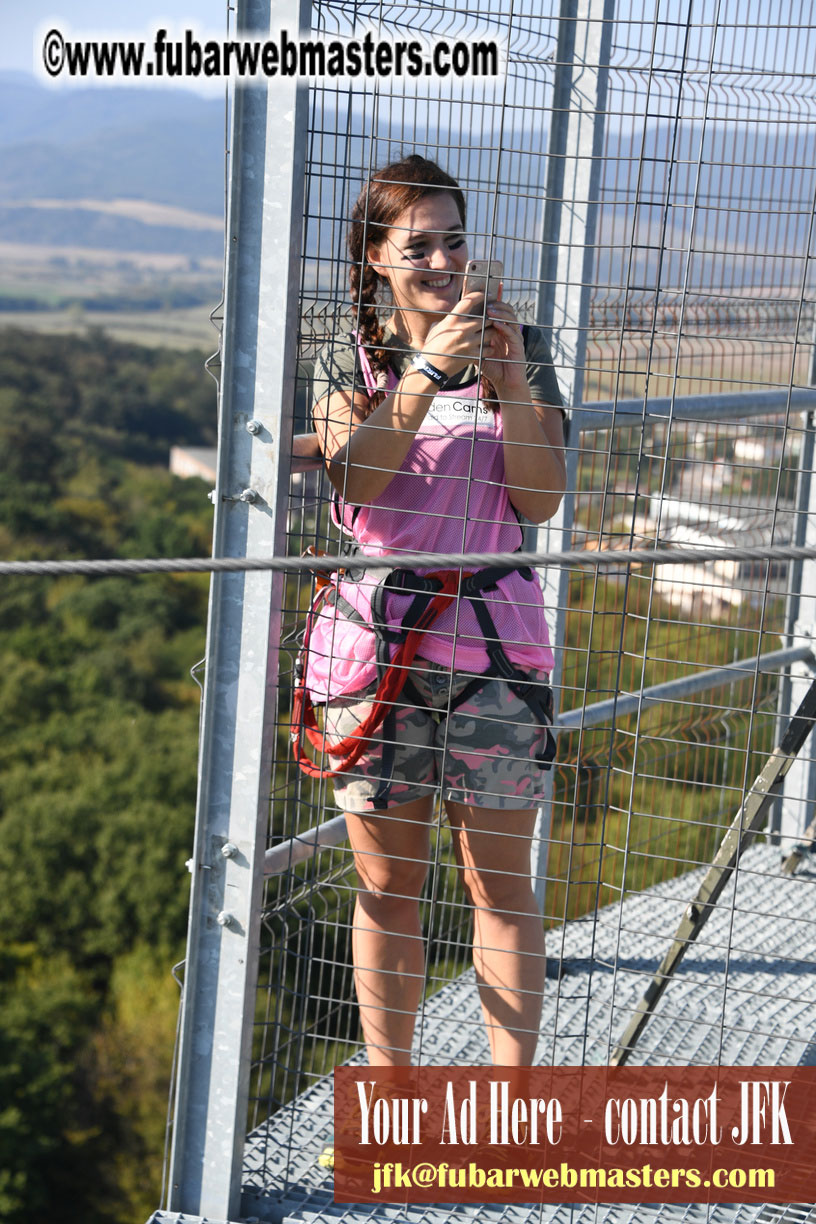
pixel 412 583
pixel 540 702
pixel 322 577
pixel 475 584
pixel 471 585
pixel 504 667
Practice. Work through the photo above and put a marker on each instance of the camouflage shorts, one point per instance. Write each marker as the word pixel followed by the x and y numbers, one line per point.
pixel 486 752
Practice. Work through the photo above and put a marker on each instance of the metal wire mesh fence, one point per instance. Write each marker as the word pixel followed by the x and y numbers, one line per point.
pixel 702 286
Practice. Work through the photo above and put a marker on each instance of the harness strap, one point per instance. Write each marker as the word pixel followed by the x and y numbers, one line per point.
pixel 540 704
pixel 391 683
pixel 394 580
pixel 379 800
pixel 340 602
pixel 432 595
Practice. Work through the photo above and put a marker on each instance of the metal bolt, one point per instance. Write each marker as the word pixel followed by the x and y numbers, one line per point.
pixel 248 495
pixel 190 865
pixel 254 427
pixel 212 496
pixel 229 849
pixel 225 919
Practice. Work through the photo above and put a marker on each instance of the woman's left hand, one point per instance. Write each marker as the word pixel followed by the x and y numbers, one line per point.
pixel 506 365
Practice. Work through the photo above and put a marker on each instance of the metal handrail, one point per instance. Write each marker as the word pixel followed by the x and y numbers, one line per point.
pixel 729 406
pixel 682 686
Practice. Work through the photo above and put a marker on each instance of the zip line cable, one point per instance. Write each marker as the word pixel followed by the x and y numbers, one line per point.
pixel 577 558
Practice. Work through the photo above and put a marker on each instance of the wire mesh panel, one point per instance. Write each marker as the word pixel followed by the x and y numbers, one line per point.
pixel 703 290
pixel 704 286
pixel 483 137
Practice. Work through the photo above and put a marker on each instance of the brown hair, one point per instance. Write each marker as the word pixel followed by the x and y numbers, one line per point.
pixel 387 194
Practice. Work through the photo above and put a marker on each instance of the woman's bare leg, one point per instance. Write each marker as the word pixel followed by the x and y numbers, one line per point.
pixel 391 854
pixel 493 852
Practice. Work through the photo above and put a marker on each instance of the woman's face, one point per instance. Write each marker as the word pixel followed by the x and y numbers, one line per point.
pixel 423 256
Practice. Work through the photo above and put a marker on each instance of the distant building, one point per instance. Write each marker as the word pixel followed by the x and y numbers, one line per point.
pixel 193 461
pixel 715 588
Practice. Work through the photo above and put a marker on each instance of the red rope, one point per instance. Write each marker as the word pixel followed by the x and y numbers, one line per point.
pixel 350 749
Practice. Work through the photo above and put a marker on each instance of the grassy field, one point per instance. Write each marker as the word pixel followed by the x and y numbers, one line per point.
pixel 189 328
pixel 151 299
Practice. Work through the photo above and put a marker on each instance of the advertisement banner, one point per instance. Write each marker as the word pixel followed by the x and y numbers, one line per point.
pixel 575 1134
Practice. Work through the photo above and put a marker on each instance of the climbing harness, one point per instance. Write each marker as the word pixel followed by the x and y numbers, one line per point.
pixel 432 594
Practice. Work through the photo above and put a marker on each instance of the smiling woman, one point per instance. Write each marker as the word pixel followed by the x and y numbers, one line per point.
pixel 423 262
pixel 439 428
pixel 407 235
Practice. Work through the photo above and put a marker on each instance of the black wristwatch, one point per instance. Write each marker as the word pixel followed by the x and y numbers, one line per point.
pixel 424 366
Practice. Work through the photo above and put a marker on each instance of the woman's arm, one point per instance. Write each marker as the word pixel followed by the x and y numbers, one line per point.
pixel 364 449
pixel 534 455
pixel 533 433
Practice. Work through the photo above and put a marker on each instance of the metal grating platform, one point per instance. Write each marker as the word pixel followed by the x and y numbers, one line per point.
pixel 744 995
pixel 515 1214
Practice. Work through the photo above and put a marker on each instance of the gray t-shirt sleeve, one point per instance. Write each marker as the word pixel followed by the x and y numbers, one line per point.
pixel 336 367
pixel 540 372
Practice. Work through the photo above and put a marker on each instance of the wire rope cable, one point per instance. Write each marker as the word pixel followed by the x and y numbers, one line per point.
pixel 574 558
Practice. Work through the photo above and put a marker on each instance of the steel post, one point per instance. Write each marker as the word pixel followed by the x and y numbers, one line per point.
pixel 258 385
pixel 566 272
pixel 798 806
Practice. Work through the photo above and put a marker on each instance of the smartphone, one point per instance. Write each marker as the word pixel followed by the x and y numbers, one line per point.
pixel 483 276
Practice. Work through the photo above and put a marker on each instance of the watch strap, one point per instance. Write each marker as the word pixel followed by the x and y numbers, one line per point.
pixel 424 366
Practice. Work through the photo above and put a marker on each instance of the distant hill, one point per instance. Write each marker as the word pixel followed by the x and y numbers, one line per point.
pixel 171 160
pixel 162 146
pixel 753 197
pixel 88 227
pixel 33 112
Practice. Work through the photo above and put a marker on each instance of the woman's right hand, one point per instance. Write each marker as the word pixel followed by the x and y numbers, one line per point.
pixel 462 338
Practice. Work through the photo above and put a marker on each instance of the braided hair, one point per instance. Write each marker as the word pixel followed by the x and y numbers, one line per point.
pixel 387 194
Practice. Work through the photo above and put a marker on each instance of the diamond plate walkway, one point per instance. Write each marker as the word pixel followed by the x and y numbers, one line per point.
pixel 744 995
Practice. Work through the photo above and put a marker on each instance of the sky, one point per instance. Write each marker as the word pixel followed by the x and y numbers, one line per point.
pixel 20 21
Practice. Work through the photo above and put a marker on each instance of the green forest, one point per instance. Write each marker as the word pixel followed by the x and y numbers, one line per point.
pixel 99 732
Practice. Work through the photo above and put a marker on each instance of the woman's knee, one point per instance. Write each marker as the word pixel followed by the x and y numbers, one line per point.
pixel 391 853
pixel 493 856
pixel 386 880
pixel 499 891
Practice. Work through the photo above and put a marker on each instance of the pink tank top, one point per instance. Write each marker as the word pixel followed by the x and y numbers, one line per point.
pixel 449 496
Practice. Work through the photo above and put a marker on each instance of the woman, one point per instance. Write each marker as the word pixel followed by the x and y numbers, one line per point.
pixel 439 428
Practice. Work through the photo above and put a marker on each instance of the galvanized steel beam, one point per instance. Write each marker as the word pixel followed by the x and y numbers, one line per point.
pixel 683 686
pixel 797 809
pixel 566 275
pixel 618 414
pixel 730 406
pixel 258 382
pixel 332 832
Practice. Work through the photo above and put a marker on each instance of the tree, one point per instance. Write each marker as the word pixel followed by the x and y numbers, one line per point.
pixel 98 753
